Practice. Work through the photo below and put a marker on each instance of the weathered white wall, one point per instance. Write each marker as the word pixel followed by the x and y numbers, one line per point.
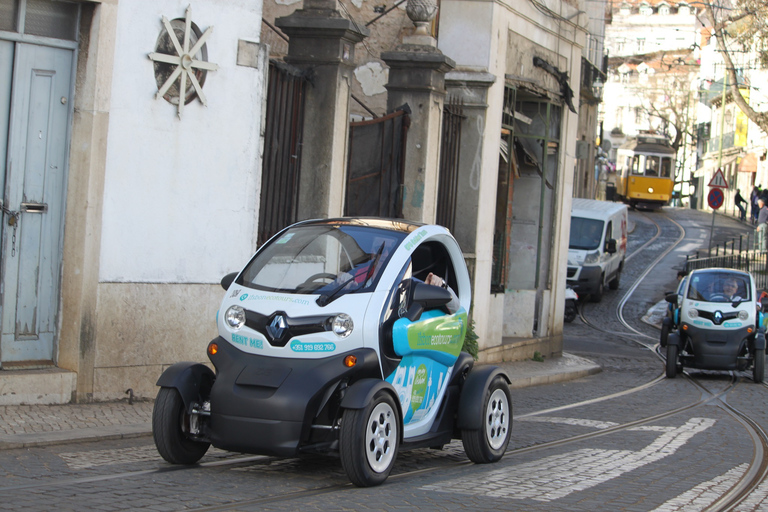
pixel 181 195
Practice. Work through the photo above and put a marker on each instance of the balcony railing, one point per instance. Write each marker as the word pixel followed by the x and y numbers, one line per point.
pixel 713 144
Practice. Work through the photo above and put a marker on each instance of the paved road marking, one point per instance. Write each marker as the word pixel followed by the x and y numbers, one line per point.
pixel 558 476
pixel 600 425
pixel 704 494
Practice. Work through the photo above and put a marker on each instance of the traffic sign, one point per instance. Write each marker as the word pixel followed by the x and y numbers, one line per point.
pixel 718 180
pixel 715 198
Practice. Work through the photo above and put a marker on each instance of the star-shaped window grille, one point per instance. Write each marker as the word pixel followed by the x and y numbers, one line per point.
pixel 181 61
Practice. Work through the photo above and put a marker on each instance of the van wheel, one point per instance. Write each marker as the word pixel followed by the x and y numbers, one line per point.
pixel 671 361
pixel 664 335
pixel 614 283
pixel 758 366
pixel 598 295
pixel 168 418
pixel 369 440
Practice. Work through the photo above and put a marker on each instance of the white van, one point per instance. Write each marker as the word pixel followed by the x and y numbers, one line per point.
pixel 597 246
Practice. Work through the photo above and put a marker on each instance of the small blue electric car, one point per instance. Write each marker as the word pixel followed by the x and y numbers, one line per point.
pixel 331 342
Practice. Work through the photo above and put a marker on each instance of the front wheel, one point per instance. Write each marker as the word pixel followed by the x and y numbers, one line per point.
pixel 369 440
pixel 169 417
pixel 671 361
pixel 614 284
pixel 489 443
pixel 758 366
pixel 598 295
pixel 664 335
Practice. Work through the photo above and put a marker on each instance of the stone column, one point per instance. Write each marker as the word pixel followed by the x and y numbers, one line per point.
pixel 417 77
pixel 323 43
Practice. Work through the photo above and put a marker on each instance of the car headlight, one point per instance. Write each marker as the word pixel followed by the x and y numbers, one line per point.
pixel 693 313
pixel 650 190
pixel 592 257
pixel 743 315
pixel 235 317
pixel 342 325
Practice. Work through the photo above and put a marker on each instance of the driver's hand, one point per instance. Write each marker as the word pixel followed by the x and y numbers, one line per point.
pixel 434 280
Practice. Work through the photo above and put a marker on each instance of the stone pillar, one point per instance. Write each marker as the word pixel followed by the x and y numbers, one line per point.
pixel 323 43
pixel 417 77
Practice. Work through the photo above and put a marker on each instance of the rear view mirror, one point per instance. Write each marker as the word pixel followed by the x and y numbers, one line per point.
pixel 671 298
pixel 425 297
pixel 610 246
pixel 228 279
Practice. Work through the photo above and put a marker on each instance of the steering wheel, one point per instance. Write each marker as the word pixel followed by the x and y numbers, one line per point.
pixel 314 278
pixel 715 297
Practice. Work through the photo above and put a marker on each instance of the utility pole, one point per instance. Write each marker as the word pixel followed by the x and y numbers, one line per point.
pixel 720 155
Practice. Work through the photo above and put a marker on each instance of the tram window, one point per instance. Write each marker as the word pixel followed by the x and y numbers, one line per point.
pixel 651 166
pixel 666 167
pixel 636 167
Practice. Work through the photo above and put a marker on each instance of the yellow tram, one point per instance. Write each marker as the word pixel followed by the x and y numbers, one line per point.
pixel 645 169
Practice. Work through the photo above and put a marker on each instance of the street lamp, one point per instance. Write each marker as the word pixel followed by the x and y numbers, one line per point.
pixel 597 88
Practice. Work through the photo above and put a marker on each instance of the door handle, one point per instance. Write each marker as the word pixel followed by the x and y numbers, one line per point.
pixel 34 207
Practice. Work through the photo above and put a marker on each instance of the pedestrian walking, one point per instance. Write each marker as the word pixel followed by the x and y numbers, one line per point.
pixel 738 200
pixel 753 201
pixel 762 225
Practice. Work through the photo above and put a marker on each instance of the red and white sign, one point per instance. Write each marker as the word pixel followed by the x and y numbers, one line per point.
pixel 715 198
pixel 718 180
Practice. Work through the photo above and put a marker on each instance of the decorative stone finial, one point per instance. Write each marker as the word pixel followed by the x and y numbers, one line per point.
pixel 421 12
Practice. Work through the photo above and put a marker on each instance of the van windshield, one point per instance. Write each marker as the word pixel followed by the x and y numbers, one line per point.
pixel 585 233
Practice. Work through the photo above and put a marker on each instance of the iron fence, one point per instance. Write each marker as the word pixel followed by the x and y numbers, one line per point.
pixel 450 151
pixel 737 253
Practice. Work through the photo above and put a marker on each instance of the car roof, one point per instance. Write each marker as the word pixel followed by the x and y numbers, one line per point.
pixel 720 270
pixel 401 225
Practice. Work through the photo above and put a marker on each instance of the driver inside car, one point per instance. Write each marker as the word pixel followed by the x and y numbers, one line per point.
pixel 730 289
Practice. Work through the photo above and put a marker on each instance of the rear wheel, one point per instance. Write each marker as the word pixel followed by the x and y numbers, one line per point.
pixel 369 441
pixel 489 443
pixel 758 366
pixel 664 334
pixel 169 419
pixel 671 361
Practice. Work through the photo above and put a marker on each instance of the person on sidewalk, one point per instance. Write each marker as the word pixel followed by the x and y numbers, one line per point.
pixel 753 199
pixel 762 225
pixel 738 200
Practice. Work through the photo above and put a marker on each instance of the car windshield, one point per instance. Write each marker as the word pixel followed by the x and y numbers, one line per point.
pixel 585 233
pixel 322 259
pixel 719 287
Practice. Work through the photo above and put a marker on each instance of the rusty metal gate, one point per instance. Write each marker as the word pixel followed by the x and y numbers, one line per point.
pixel 376 165
pixel 281 163
pixel 450 151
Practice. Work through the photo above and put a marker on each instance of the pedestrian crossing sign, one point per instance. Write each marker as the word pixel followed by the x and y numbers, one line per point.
pixel 718 180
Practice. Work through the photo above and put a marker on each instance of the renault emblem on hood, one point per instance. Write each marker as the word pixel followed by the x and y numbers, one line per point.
pixel 277 327
pixel 718 318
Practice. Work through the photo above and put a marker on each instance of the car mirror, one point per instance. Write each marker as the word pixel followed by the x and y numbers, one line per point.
pixel 429 296
pixel 228 279
pixel 426 296
pixel 671 298
pixel 610 246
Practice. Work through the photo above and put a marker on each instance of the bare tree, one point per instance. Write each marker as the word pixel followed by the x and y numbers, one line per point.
pixel 745 26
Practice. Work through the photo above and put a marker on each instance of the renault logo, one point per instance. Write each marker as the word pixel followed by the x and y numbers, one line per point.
pixel 718 317
pixel 277 327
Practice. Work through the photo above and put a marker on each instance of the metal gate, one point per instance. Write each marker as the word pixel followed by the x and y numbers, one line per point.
pixel 281 163
pixel 376 165
pixel 450 151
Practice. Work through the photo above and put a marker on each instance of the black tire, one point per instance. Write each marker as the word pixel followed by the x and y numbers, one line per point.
pixel 598 295
pixel 570 314
pixel 489 443
pixel 168 417
pixel 369 440
pixel 614 283
pixel 758 366
pixel 671 361
pixel 664 335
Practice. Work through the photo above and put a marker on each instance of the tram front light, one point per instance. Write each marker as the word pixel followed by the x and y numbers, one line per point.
pixel 650 190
